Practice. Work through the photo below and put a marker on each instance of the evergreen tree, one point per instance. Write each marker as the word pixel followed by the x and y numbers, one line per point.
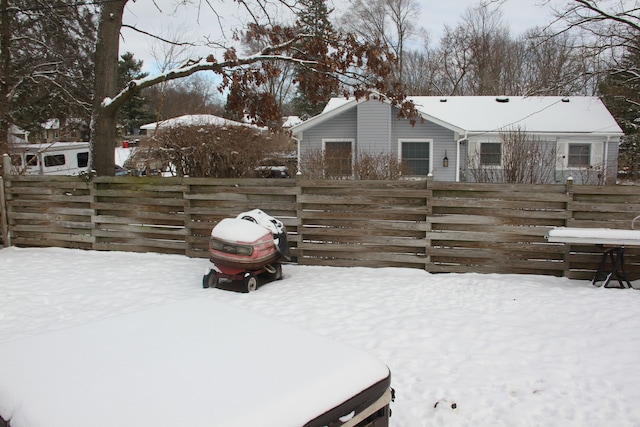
pixel 313 91
pixel 621 93
pixel 134 112
pixel 47 61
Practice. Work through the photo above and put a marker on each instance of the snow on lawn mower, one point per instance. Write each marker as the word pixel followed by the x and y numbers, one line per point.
pixel 247 247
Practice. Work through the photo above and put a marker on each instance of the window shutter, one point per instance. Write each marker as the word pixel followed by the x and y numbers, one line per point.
pixel 596 154
pixel 473 153
pixel 561 155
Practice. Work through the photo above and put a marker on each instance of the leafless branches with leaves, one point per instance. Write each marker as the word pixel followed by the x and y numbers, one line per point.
pixel 526 159
pixel 212 151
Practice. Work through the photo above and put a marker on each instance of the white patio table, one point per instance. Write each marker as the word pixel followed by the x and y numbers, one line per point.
pixel 612 241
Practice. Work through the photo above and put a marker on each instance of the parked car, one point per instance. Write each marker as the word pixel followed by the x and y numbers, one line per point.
pixel 272 172
pixel 120 171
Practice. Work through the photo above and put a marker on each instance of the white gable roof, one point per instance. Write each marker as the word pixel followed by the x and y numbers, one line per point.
pixel 193 120
pixel 486 114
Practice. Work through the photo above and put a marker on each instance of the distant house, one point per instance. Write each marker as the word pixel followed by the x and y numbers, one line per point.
pixel 290 121
pixel 71 129
pixel 459 136
pixel 190 120
pixel 17 135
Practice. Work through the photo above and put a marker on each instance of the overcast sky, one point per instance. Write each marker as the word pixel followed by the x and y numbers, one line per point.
pixel 189 23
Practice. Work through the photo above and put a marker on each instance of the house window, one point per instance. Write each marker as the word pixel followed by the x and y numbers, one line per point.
pixel 491 154
pixel 415 156
pixel 83 159
pixel 579 155
pixel 54 160
pixel 338 157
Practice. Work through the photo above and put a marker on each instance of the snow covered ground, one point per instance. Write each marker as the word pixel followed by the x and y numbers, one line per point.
pixel 508 350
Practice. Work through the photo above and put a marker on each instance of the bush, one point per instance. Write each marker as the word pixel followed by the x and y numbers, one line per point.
pixel 210 151
pixel 365 166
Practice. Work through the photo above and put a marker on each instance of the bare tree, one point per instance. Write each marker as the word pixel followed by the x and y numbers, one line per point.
pixel 607 30
pixel 477 57
pixel 280 80
pixel 391 22
pixel 238 74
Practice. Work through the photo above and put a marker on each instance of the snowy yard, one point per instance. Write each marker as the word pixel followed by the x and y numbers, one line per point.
pixel 508 350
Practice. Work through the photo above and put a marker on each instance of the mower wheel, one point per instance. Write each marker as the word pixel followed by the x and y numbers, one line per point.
pixel 210 280
pixel 274 271
pixel 250 282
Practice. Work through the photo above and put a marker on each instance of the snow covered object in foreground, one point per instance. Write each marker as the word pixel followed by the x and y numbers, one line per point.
pixel 167 366
pixel 245 247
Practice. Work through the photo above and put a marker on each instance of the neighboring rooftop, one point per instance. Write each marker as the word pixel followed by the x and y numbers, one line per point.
pixel 474 114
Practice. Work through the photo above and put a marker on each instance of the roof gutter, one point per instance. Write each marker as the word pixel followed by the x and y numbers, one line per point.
pixel 458 145
pixel 605 158
pixel 298 141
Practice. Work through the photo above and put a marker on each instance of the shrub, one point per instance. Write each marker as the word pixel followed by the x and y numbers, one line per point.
pixel 210 151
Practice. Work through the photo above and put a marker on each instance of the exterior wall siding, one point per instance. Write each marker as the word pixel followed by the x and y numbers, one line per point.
pixel 373 127
pixel 443 140
pixel 604 159
pixel 342 126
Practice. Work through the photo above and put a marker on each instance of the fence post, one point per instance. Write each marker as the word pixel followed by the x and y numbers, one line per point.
pixel 569 205
pixel 428 212
pixel 299 228
pixel 566 256
pixel 4 213
pixel 188 231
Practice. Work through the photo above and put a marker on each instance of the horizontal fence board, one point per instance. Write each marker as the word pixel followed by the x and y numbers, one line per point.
pixel 63 236
pixel 437 226
pixel 127 247
pixel 120 241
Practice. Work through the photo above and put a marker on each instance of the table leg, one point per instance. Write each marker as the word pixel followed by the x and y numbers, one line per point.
pixel 616 256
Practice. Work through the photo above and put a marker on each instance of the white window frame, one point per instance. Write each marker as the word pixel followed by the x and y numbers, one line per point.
pixel 473 153
pixel 595 154
pixel 422 140
pixel 491 165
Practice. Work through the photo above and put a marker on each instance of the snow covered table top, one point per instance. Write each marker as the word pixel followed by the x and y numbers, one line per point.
pixel 597 236
pixel 195 363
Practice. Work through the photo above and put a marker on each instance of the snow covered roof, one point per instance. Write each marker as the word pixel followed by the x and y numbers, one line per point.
pixel 193 120
pixel 291 121
pixel 485 114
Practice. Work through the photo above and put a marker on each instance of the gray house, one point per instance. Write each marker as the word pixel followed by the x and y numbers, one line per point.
pixel 474 138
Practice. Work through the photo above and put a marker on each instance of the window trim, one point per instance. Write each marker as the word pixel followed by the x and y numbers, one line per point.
pixel 423 140
pixel 581 166
pixel 490 165
pixel 595 157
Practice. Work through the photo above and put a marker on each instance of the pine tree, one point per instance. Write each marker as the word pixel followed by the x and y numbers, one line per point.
pixel 134 112
pixel 47 51
pixel 621 94
pixel 313 91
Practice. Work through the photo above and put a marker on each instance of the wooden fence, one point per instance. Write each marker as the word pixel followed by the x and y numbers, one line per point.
pixel 437 226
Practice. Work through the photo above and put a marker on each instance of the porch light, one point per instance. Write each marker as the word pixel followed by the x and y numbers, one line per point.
pixel 445 160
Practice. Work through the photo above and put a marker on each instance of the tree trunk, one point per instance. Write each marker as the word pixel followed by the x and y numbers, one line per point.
pixel 104 116
pixel 5 72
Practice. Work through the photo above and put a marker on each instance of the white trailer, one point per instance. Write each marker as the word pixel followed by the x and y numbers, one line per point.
pixel 55 158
